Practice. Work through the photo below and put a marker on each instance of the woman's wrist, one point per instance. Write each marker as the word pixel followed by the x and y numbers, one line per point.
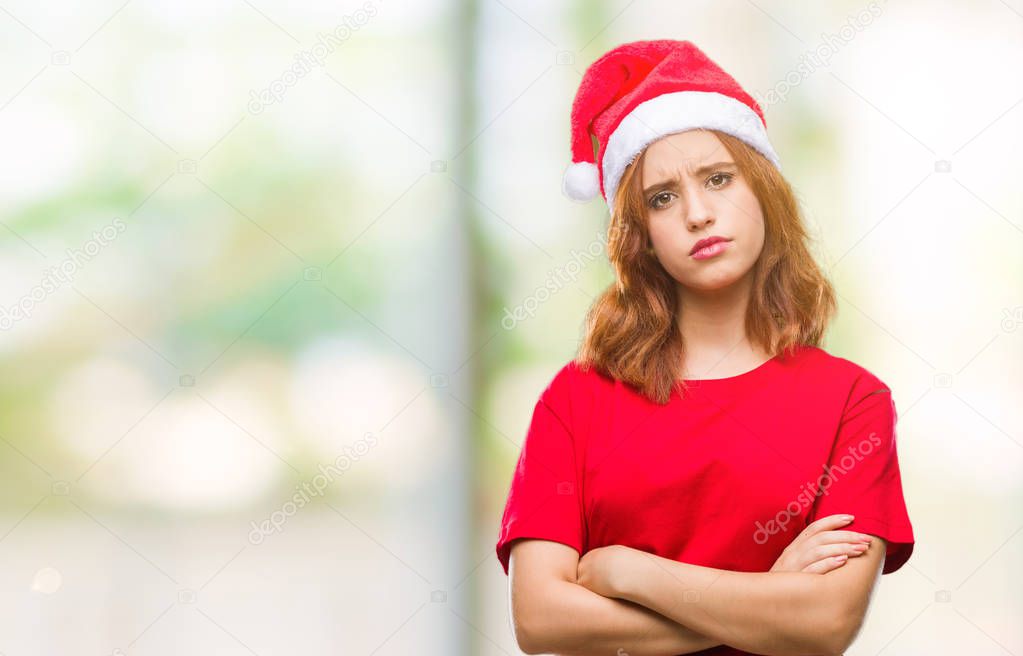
pixel 627 579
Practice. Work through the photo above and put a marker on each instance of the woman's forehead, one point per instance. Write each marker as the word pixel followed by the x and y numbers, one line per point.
pixel 683 151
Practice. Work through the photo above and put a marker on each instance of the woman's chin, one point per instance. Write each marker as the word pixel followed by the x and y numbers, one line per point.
pixel 710 283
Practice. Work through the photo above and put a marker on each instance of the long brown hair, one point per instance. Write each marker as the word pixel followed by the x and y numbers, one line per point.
pixel 631 330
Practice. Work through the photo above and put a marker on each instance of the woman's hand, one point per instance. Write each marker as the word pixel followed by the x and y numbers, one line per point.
pixel 821 548
pixel 818 549
pixel 604 570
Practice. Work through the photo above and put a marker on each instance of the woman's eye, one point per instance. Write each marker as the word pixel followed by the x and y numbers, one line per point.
pixel 664 195
pixel 723 179
pixel 718 180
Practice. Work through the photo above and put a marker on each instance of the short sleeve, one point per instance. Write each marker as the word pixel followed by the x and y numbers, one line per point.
pixel 862 477
pixel 543 500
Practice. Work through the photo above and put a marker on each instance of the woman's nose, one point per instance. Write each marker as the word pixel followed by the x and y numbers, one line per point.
pixel 698 213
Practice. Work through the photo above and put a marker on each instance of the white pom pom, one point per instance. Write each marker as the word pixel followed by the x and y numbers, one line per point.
pixel 581 181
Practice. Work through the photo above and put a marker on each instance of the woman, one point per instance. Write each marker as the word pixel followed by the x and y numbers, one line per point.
pixel 703 477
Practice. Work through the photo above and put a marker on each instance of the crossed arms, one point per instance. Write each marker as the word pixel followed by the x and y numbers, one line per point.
pixel 617 600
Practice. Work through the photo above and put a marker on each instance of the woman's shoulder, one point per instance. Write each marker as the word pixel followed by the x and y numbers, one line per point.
pixel 576 375
pixel 576 384
pixel 840 371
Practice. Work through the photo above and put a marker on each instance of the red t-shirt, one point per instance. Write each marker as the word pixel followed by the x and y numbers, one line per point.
pixel 724 477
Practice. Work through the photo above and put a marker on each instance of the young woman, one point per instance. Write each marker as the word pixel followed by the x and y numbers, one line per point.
pixel 703 477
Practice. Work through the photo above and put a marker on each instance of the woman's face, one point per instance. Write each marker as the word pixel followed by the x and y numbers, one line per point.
pixel 692 190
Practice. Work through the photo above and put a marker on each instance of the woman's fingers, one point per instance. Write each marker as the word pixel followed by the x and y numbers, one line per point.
pixel 838 549
pixel 821 557
pixel 833 556
pixel 827 523
pixel 829 537
pixel 816 547
pixel 823 525
pixel 826 565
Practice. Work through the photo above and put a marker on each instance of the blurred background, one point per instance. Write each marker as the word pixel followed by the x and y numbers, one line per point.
pixel 281 282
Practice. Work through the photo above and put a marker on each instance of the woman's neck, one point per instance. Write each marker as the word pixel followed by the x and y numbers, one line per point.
pixel 713 328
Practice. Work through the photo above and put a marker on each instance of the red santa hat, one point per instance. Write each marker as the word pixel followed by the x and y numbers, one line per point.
pixel 641 91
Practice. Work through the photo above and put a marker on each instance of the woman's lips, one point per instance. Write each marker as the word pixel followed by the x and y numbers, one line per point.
pixel 710 251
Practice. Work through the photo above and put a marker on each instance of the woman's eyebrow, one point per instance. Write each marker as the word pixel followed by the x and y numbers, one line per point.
pixel 706 168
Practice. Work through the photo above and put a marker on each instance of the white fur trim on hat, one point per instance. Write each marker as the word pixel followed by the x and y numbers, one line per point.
pixel 581 181
pixel 677 112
